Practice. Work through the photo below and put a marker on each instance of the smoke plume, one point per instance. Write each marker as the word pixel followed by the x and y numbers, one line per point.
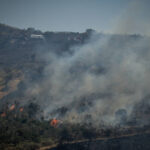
pixel 107 74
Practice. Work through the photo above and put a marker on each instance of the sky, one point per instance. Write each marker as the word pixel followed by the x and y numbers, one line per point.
pixel 63 15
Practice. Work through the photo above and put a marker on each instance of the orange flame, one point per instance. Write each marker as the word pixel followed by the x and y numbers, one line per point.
pixel 21 109
pixel 12 107
pixel 54 122
pixel 3 114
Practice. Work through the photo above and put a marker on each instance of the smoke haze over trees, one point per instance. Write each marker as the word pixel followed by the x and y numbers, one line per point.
pixel 76 85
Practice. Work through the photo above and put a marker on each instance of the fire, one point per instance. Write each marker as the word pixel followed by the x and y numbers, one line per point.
pixel 3 114
pixel 12 107
pixel 54 122
pixel 21 109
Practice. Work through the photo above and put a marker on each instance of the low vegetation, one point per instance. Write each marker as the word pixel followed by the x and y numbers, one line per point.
pixel 19 130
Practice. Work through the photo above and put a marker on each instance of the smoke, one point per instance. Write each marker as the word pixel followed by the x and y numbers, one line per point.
pixel 108 74
pixel 135 19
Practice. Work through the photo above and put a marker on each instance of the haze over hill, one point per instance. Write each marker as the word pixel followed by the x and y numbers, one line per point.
pixel 76 76
pixel 60 89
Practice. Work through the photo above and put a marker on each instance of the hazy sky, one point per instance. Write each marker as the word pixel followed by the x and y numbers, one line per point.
pixel 62 15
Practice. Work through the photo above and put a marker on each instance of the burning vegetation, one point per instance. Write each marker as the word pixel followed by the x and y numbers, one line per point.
pixel 96 85
pixel 36 132
pixel 21 109
pixel 12 107
pixel 3 114
pixel 54 122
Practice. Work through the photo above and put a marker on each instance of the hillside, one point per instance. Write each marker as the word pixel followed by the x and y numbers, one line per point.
pixel 19 56
pixel 64 87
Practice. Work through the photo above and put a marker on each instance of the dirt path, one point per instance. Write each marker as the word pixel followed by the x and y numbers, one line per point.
pixel 96 139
